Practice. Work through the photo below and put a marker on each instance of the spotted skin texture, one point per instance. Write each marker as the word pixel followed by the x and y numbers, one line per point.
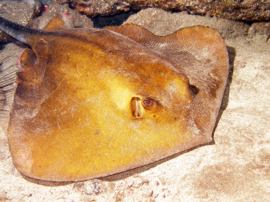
pixel 73 113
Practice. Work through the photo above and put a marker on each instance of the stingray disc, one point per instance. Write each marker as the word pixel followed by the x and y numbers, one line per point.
pixel 91 103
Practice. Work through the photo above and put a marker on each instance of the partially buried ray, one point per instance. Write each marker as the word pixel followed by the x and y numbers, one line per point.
pixel 91 103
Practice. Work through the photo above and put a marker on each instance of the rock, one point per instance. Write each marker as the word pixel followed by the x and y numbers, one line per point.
pixel 20 12
pixel 99 7
pixel 261 28
pixel 248 10
pixel 157 20
pixel 71 17
pixel 8 58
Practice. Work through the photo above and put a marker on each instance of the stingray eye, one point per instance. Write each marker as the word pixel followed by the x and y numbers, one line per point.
pixel 136 107
pixel 149 103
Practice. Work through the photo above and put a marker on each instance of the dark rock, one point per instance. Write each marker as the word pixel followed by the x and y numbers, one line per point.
pixel 248 10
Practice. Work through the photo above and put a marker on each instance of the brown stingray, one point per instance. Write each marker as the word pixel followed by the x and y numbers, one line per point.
pixel 91 103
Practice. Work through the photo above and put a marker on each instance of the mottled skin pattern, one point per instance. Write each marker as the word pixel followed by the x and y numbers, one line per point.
pixel 91 103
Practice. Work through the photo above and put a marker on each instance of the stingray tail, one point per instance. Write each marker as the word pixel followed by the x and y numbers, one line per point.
pixel 16 31
pixel 8 67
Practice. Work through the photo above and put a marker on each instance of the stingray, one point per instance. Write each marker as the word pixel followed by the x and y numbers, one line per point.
pixel 95 102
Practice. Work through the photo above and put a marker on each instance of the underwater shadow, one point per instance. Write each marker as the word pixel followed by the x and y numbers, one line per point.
pixel 46 183
pixel 225 100
pixel 115 20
